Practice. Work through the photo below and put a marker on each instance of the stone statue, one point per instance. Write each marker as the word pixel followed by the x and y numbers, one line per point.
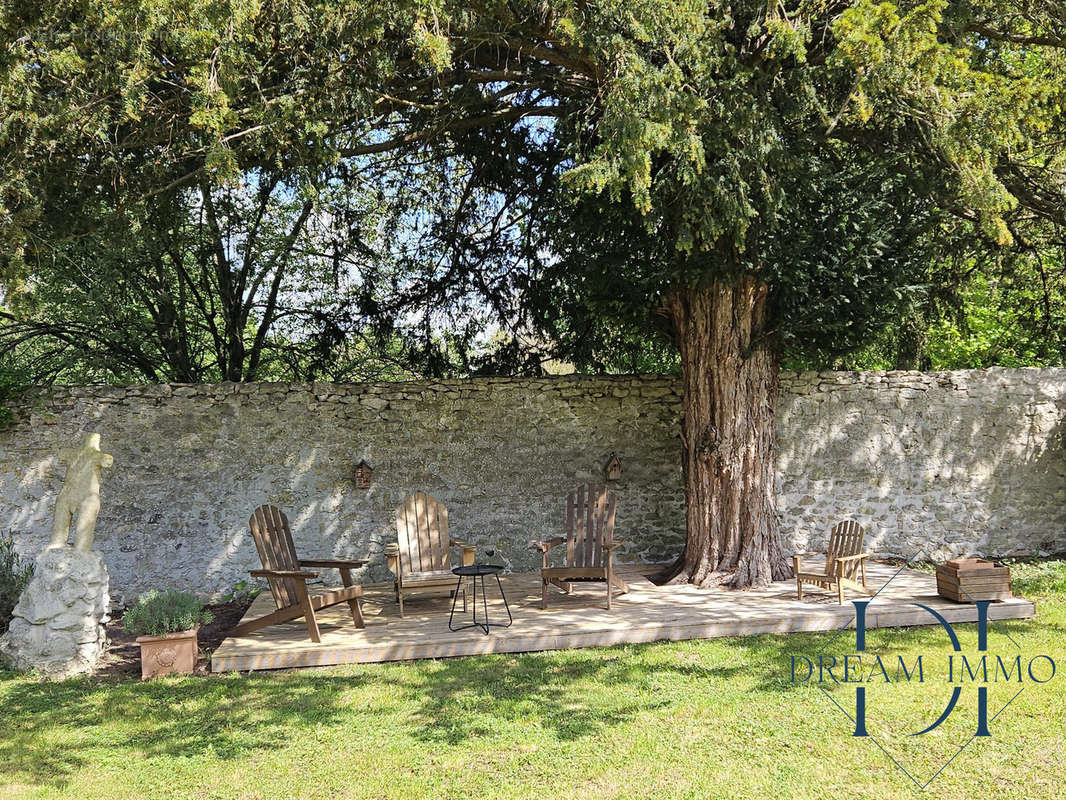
pixel 58 625
pixel 80 493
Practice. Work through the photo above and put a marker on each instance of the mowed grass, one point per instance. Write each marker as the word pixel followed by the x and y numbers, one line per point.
pixel 699 719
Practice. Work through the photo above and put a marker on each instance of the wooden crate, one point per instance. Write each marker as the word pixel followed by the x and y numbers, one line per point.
pixel 967 579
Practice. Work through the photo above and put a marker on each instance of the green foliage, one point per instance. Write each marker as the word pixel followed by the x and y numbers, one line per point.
pixel 12 385
pixel 1037 577
pixel 1005 309
pixel 158 291
pixel 823 154
pixel 1014 316
pixel 196 223
pixel 157 613
pixel 242 592
pixel 556 172
pixel 15 574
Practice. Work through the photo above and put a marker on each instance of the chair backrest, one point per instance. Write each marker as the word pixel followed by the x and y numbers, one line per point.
pixel 845 539
pixel 273 540
pixel 422 534
pixel 589 525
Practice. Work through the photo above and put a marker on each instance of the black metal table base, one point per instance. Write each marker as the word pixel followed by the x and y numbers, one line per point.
pixel 484 623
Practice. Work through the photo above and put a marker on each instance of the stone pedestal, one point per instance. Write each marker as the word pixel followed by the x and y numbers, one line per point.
pixel 57 628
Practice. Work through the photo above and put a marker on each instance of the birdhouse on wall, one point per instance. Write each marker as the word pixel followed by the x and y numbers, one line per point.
pixel 612 470
pixel 362 475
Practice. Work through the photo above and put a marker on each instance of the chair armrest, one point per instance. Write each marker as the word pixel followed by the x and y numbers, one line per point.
pixel 282 573
pixel 802 555
pixel 857 557
pixel 545 546
pixel 334 563
pixel 613 545
pixel 392 557
pixel 467 548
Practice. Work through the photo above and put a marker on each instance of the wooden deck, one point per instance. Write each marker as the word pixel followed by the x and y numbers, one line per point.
pixel 648 613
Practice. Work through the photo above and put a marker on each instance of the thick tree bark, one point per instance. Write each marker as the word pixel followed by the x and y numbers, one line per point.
pixel 730 375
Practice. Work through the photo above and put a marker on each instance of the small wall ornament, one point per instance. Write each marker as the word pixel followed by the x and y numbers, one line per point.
pixel 363 471
pixel 612 470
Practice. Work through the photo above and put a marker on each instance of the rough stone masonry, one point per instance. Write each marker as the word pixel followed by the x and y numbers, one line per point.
pixel 968 462
pixel 57 626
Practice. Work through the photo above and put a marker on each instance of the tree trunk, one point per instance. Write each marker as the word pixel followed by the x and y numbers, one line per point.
pixel 730 375
pixel 913 337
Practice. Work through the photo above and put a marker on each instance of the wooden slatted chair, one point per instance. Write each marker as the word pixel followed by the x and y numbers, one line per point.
pixel 590 545
pixel 844 561
pixel 287 576
pixel 420 558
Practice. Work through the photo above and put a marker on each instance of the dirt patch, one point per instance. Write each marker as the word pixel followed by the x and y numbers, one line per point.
pixel 122 661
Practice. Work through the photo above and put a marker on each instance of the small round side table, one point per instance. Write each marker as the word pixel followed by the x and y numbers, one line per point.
pixel 475 571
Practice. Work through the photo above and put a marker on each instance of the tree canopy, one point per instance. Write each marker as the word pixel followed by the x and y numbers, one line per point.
pixel 720 137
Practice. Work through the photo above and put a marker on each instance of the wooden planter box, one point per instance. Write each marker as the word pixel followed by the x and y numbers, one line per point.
pixel 967 579
pixel 173 654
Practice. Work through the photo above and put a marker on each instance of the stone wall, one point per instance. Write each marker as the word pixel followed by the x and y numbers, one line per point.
pixel 946 463
pixel 959 462
pixel 191 462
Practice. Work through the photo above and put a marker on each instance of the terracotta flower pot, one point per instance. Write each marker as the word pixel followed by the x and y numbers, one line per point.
pixel 172 654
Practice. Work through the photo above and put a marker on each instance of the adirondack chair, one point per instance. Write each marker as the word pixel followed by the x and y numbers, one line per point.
pixel 287 576
pixel 590 545
pixel 420 558
pixel 844 561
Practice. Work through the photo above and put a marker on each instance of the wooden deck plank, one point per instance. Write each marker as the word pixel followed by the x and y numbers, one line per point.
pixel 648 613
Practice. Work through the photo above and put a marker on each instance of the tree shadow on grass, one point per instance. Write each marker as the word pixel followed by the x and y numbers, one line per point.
pixel 770 655
pixel 54 729
pixel 564 691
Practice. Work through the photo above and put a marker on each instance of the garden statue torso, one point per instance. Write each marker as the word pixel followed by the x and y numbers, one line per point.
pixel 80 494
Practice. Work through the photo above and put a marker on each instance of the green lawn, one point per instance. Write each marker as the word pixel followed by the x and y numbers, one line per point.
pixel 697 719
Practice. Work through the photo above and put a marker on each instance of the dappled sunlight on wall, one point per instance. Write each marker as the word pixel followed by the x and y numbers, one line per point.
pixel 191 462
pixel 949 463
pixel 954 462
